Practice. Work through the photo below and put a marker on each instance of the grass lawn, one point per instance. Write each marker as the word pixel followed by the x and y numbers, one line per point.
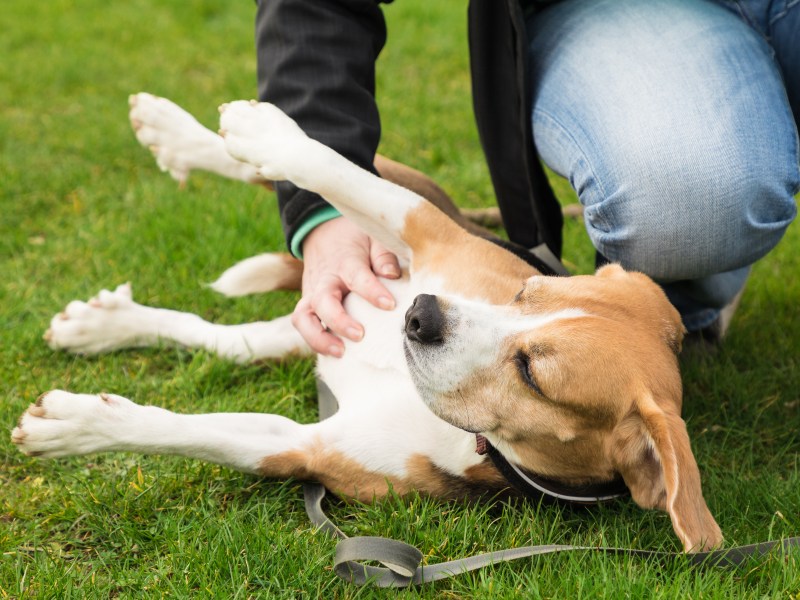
pixel 84 207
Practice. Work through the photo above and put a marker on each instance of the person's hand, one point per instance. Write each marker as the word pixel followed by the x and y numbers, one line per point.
pixel 338 259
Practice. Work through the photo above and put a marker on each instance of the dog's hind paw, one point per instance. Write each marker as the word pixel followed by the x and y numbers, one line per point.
pixel 264 136
pixel 109 321
pixel 180 144
pixel 176 139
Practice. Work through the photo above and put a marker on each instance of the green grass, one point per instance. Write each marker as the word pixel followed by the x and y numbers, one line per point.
pixel 84 207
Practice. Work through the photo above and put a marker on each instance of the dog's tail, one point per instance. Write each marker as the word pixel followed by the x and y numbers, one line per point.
pixel 259 274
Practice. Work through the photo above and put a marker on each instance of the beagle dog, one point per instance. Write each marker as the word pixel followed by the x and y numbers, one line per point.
pixel 574 379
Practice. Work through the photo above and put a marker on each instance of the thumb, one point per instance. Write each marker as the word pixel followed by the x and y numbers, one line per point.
pixel 383 261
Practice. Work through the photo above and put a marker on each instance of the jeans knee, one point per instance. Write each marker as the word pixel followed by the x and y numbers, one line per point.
pixel 685 165
pixel 687 223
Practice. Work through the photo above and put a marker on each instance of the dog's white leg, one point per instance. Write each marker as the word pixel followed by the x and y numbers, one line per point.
pixel 181 144
pixel 112 321
pixel 358 455
pixel 66 424
pixel 264 136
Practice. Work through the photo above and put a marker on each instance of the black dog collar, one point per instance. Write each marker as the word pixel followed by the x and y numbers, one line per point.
pixel 540 258
pixel 548 490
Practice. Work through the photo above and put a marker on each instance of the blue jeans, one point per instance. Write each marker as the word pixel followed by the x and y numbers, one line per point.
pixel 673 121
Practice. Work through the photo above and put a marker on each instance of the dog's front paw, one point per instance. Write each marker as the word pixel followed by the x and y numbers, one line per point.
pixel 109 321
pixel 177 140
pixel 264 136
pixel 65 424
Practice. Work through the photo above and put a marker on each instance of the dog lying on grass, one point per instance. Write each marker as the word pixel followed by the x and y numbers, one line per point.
pixel 574 379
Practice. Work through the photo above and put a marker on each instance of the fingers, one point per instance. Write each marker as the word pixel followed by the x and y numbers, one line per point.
pixel 327 305
pixel 320 317
pixel 308 324
pixel 340 259
pixel 359 278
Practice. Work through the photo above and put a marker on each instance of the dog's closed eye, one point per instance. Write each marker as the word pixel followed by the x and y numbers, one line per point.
pixel 523 363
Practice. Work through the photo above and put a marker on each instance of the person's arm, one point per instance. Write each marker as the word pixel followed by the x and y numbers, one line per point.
pixel 316 61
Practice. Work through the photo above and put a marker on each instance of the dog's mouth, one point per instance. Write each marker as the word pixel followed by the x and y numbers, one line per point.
pixel 435 383
pixel 418 366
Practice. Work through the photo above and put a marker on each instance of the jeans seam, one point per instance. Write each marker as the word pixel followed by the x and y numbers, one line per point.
pixel 568 135
pixel 796 149
pixel 745 15
pixel 787 7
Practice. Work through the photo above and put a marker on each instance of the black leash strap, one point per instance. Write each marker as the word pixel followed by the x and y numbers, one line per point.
pixel 540 258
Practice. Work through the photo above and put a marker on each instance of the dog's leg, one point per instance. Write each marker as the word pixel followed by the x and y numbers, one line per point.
pixel 402 220
pixel 112 321
pixel 65 424
pixel 264 136
pixel 180 144
pixel 347 453
pixel 259 274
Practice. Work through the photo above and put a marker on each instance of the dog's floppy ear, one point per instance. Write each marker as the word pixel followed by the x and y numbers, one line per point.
pixel 652 453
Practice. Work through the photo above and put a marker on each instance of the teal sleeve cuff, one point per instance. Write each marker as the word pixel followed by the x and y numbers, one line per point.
pixel 318 217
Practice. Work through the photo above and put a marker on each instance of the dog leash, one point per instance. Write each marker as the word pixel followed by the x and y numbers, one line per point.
pixel 403 568
pixel 402 563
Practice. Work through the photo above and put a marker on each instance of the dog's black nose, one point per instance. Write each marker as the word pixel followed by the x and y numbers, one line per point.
pixel 424 320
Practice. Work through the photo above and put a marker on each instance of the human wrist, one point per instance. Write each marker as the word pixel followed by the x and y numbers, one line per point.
pixel 314 220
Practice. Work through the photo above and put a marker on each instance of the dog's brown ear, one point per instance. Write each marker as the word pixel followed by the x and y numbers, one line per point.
pixel 652 453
